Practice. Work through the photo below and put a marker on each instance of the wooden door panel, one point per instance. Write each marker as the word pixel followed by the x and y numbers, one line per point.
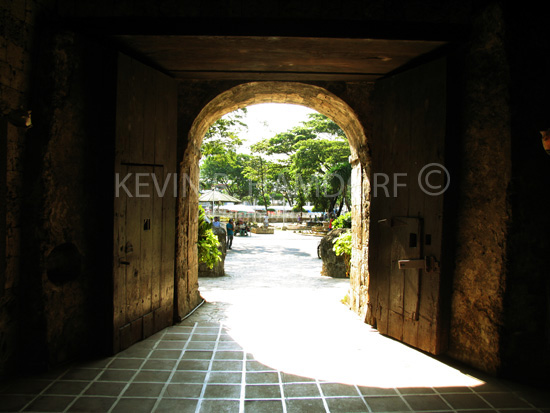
pixel 144 231
pixel 406 221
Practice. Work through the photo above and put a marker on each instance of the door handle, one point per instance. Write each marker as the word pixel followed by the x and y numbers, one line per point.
pixel 428 264
pixel 121 262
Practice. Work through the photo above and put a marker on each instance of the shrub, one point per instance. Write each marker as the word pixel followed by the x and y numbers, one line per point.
pixel 207 242
pixel 343 221
pixel 342 246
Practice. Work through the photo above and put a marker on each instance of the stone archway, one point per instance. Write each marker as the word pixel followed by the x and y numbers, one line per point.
pixel 314 97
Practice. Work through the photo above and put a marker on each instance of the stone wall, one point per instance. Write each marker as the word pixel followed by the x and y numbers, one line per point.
pixel 53 267
pixel 525 338
pixel 483 211
pixel 17 37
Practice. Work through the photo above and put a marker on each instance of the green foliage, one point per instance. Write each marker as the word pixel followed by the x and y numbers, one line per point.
pixel 228 170
pixel 342 246
pixel 223 135
pixel 207 242
pixel 262 172
pixel 315 164
pixel 343 221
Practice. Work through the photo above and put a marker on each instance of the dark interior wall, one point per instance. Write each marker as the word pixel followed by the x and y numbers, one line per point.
pixel 66 257
pixel 526 328
pixel 18 22
pixel 483 177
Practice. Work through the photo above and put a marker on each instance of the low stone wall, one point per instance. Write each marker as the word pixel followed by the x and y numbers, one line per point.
pixel 261 230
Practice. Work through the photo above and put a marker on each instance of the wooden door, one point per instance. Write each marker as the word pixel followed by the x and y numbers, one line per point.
pixel 144 220
pixel 405 285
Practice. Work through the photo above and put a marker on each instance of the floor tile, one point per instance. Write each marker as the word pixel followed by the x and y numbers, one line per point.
pixel 92 404
pixel 204 337
pixel 134 405
pixel 143 390
pixel 305 406
pixel 155 376
pixel 301 390
pixel 222 391
pixel 81 374
pixel 387 404
pixel 337 389
pixel 292 378
pixel 263 406
pixel 117 375
pixel 126 363
pixel 465 401
pixel 202 345
pixel 256 377
pixel 228 355
pixel 376 391
pixel 219 406
pixel 429 403
pixel 193 365
pixel 225 378
pixel 165 354
pixel 175 337
pixel 49 404
pixel 66 387
pixel 176 405
pixel 104 388
pixel 227 365
pixel 347 405
pixel 171 345
pixel 159 365
pixel 189 377
pixel 501 400
pixel 416 390
pixel 183 390
pixel 262 391
pixel 197 355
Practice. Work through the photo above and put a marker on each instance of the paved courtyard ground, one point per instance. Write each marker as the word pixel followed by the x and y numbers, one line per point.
pixel 272 336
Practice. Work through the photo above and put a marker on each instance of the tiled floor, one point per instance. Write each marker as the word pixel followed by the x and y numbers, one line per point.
pixel 201 368
pixel 270 338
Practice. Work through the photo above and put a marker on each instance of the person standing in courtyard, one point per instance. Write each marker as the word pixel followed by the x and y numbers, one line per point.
pixel 230 228
pixel 216 223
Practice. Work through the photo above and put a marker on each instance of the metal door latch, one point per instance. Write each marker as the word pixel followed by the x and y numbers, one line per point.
pixel 428 264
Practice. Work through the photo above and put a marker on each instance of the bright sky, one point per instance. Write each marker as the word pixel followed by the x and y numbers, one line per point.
pixel 265 120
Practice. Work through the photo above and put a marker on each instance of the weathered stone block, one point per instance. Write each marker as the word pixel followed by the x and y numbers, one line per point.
pixel 333 265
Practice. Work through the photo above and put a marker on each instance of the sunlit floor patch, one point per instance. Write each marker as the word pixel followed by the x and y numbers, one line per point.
pixel 312 334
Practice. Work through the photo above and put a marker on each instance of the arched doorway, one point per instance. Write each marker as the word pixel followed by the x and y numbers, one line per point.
pixel 314 97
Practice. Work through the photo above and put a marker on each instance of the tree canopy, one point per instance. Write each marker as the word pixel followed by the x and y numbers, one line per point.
pixel 309 162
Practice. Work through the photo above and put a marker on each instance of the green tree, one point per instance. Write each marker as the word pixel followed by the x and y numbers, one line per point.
pixel 315 163
pixel 262 173
pixel 228 170
pixel 223 135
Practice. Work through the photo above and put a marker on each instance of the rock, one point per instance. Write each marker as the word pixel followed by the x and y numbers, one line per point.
pixel 333 265
pixel 219 269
